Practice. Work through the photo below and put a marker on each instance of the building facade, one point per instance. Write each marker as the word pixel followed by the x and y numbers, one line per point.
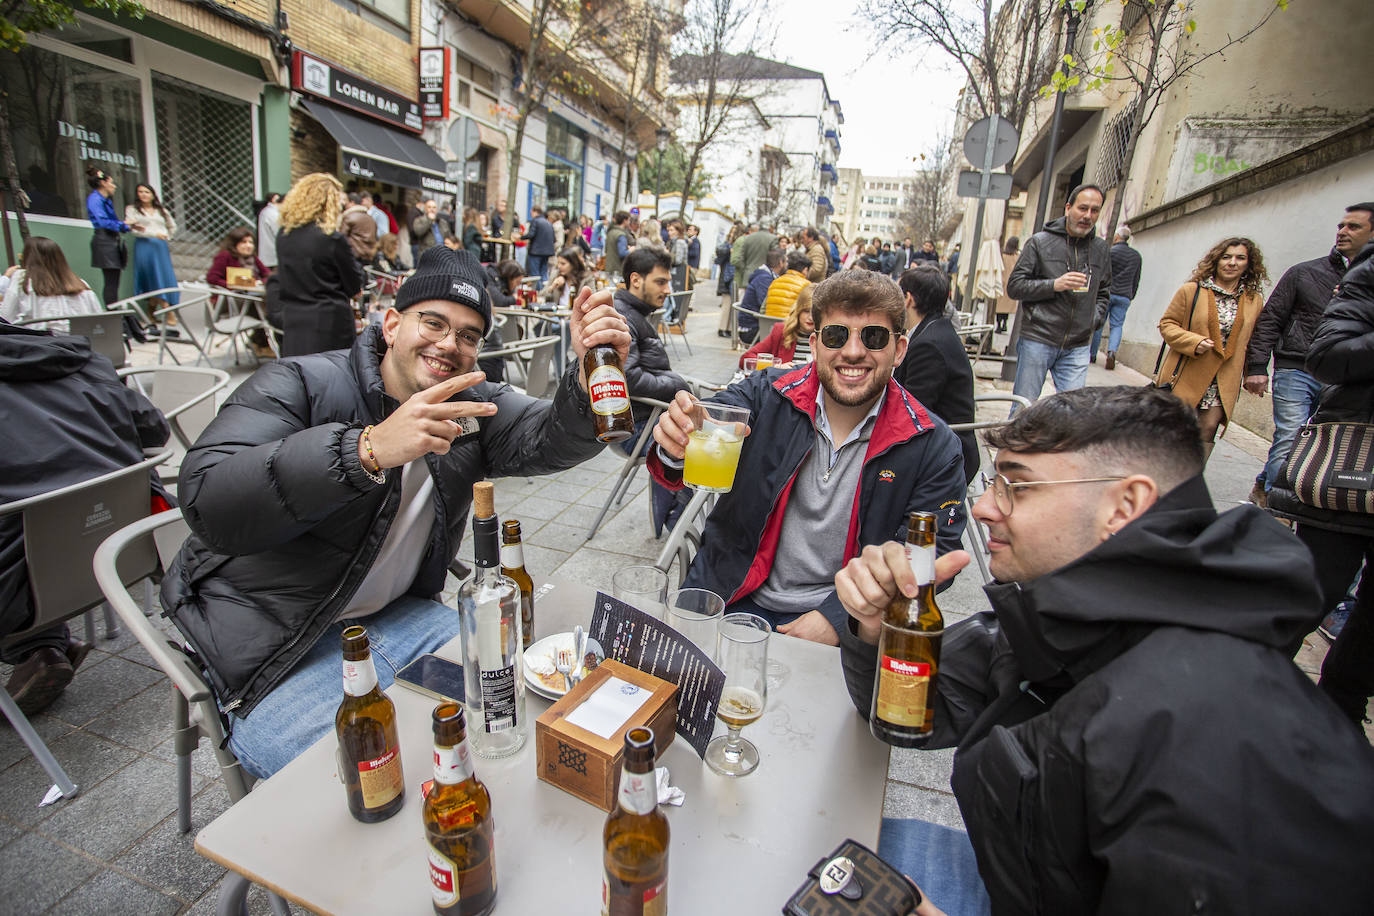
pixel 776 154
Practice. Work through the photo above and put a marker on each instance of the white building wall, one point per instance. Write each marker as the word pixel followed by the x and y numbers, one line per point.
pixel 1292 222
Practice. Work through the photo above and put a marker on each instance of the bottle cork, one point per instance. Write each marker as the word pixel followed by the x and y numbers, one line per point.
pixel 483 499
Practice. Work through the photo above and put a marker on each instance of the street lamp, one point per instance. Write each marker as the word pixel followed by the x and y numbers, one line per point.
pixel 662 135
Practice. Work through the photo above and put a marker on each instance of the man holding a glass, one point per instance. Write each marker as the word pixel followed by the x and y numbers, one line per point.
pixel 837 456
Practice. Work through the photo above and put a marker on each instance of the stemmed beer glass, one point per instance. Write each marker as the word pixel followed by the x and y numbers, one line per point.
pixel 743 655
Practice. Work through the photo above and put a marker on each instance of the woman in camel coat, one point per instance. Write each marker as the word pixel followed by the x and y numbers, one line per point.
pixel 1206 359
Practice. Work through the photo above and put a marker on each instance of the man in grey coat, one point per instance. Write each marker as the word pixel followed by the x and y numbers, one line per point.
pixel 1062 279
pixel 334 489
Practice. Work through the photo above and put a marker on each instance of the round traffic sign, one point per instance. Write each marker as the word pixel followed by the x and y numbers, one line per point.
pixel 1004 143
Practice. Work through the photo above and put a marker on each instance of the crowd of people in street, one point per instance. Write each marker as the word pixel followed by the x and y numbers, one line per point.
pixel 1132 735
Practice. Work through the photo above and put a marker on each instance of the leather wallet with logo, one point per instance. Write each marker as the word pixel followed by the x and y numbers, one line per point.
pixel 853 881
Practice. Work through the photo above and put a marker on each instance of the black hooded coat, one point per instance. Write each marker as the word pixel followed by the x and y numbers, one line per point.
pixel 1132 738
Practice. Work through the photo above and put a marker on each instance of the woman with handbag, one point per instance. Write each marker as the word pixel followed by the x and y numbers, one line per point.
pixel 1206 329
pixel 108 253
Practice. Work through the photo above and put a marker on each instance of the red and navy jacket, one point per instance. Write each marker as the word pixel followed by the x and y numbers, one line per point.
pixel 914 463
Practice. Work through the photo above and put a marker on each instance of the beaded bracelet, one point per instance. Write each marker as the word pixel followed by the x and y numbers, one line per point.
pixel 378 475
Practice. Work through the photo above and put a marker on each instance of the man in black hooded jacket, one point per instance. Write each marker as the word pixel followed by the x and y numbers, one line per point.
pixel 71 419
pixel 334 488
pixel 1132 736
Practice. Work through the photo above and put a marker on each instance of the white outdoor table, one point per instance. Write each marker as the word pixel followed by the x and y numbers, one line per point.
pixel 738 845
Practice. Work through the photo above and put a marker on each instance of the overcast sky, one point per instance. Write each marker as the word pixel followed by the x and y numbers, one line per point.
pixel 894 106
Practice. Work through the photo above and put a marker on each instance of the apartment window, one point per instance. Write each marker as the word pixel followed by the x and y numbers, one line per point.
pixel 651 68
pixel 476 86
pixel 397 11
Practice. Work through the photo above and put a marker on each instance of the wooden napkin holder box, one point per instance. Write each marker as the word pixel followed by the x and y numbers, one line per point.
pixel 583 763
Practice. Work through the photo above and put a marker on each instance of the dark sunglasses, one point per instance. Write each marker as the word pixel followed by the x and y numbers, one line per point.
pixel 873 336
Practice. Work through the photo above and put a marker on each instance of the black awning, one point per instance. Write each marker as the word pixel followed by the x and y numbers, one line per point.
pixel 372 150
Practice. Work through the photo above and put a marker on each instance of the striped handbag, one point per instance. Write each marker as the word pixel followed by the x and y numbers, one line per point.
pixel 1331 467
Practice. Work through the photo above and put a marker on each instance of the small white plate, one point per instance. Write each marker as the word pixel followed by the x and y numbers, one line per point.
pixel 551 685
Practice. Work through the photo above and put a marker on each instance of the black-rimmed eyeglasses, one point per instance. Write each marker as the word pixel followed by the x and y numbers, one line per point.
pixel 434 327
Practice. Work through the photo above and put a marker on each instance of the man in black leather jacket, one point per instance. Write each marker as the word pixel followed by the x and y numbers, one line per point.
pixel 335 487
pixel 1342 359
pixel 1063 281
pixel 1285 328
pixel 1132 736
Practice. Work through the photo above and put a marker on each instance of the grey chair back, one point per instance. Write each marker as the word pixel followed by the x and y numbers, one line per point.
pixel 105 331
pixel 184 394
pixel 62 530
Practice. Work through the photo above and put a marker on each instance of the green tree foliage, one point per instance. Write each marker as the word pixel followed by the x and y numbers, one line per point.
pixel 676 158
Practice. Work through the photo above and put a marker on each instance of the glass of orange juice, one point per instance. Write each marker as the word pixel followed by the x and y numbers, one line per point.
pixel 713 447
pixel 764 360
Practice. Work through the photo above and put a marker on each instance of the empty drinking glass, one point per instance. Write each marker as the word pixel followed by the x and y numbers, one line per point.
pixel 644 588
pixel 696 614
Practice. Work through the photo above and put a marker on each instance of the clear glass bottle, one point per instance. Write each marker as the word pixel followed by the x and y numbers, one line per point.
pixel 493 657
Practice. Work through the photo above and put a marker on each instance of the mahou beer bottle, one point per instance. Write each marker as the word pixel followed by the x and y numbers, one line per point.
pixel 909 649
pixel 458 824
pixel 493 657
pixel 513 568
pixel 636 837
pixel 610 395
pixel 369 749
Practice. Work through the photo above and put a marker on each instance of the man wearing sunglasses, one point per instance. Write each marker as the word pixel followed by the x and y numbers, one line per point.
pixel 1132 734
pixel 838 456
pixel 334 489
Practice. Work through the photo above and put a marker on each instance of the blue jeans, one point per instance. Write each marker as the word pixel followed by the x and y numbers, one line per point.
pixel 300 710
pixel 941 862
pixel 1116 317
pixel 1295 397
pixel 1034 360
pixel 539 266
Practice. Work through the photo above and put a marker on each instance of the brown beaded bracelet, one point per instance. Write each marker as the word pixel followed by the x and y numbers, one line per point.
pixel 376 470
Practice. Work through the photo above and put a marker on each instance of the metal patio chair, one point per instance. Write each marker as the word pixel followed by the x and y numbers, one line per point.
pixel 195 715
pixel 975 537
pixel 62 529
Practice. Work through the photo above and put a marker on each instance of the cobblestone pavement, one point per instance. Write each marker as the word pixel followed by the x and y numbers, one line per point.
pixel 115 848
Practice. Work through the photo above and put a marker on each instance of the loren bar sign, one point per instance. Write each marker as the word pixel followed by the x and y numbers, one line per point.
pixel 320 78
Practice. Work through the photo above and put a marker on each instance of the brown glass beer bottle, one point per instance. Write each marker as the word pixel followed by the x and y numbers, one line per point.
pixel 636 837
pixel 369 749
pixel 458 824
pixel 610 396
pixel 513 568
pixel 903 713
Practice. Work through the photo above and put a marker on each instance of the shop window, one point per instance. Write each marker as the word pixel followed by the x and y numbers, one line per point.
pixel 564 140
pixel 66 115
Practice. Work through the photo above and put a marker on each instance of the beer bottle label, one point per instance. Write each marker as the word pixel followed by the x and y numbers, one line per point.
pixel 512 556
pixel 638 792
pixel 443 878
pixel 641 901
pixel 922 561
pixel 609 393
pixel 902 687
pixel 498 698
pixel 381 778
pixel 452 765
pixel 359 677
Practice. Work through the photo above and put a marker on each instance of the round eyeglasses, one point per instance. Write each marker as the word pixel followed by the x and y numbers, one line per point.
pixel 1003 489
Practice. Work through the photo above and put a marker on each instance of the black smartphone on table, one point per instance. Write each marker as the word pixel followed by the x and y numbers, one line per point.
pixel 434 677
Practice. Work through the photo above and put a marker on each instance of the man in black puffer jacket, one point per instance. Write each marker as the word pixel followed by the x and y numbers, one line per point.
pixel 1342 358
pixel 1132 736
pixel 336 486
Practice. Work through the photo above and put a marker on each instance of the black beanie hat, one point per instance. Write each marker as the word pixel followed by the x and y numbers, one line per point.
pixel 447 274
